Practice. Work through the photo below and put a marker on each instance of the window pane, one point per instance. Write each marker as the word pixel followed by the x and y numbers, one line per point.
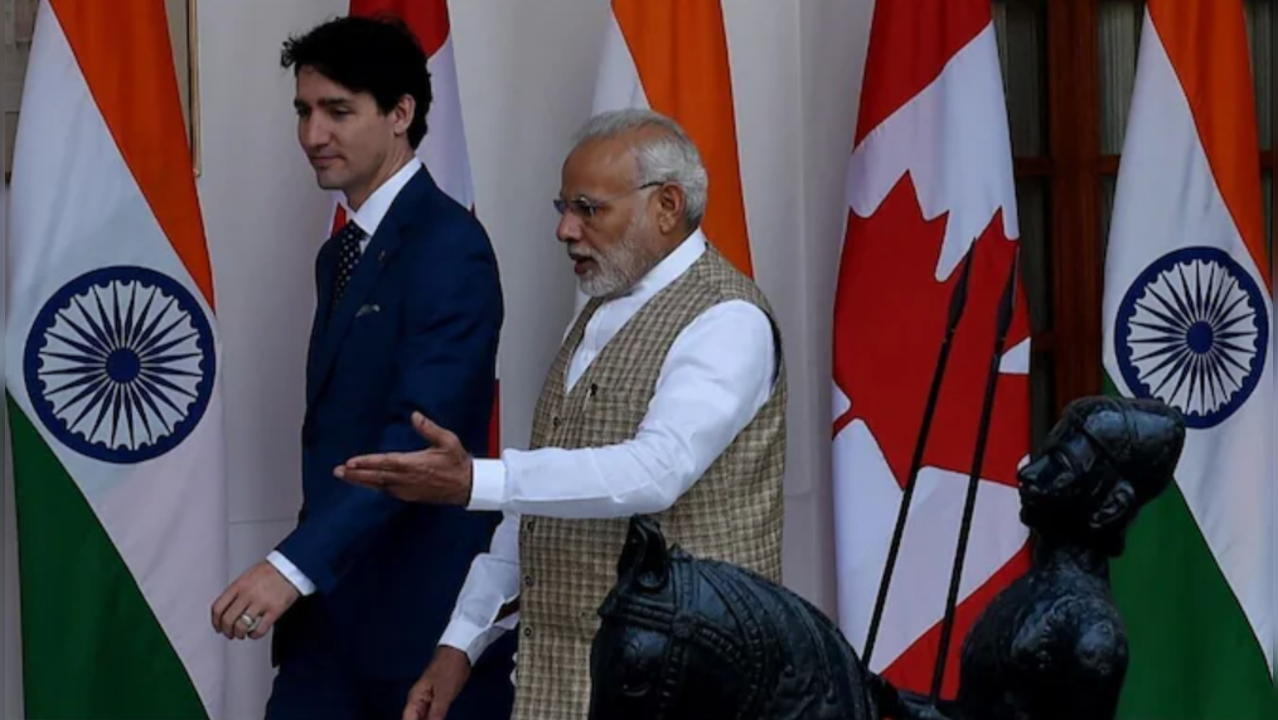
pixel 19 23
pixel 1268 183
pixel 1031 207
pixel 1107 187
pixel 1021 27
pixel 1260 34
pixel 1042 397
pixel 1036 273
pixel 1118 40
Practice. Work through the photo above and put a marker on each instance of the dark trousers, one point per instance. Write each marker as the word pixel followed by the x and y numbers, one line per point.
pixel 316 687
pixel 315 682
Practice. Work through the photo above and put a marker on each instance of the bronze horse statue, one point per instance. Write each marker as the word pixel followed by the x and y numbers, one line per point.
pixel 686 638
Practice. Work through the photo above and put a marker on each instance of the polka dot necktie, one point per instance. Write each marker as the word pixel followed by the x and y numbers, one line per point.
pixel 347 258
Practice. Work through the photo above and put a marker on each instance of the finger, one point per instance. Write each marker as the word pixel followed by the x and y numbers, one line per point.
pixel 438 708
pixel 241 630
pixel 432 433
pixel 219 622
pixel 220 605
pixel 380 460
pixel 418 702
pixel 375 478
pixel 232 615
pixel 264 624
pixel 363 478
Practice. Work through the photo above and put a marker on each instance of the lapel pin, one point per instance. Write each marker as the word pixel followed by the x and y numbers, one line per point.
pixel 381 257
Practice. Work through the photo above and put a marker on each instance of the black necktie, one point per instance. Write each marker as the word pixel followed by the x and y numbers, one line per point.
pixel 348 239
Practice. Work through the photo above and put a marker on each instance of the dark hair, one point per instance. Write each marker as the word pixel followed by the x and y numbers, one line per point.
pixel 378 55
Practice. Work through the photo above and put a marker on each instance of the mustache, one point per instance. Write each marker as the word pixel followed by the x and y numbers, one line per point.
pixel 577 255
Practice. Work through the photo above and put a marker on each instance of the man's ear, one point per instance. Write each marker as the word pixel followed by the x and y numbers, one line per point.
pixel 1116 508
pixel 671 199
pixel 402 113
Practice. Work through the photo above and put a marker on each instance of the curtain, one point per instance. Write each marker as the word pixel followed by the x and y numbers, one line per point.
pixel 1021 28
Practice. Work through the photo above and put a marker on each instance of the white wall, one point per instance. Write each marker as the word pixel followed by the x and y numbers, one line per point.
pixel 526 71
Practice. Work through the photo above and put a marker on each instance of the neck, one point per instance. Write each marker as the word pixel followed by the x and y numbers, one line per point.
pixel 1058 553
pixel 355 197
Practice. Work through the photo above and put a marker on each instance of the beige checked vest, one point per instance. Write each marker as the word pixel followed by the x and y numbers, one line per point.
pixel 733 512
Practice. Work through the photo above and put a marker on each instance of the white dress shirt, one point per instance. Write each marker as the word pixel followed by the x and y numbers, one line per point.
pixel 368 217
pixel 718 373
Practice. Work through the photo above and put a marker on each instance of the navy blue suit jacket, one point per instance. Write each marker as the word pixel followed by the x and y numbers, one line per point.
pixel 417 329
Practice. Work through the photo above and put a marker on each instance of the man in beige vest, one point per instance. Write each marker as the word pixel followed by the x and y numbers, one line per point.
pixel 667 398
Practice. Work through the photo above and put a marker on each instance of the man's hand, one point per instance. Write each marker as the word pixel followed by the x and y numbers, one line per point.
pixel 439 686
pixel 441 474
pixel 262 594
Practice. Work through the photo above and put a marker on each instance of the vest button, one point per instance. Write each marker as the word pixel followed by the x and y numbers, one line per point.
pixel 527 631
pixel 528 525
pixel 528 580
pixel 554 422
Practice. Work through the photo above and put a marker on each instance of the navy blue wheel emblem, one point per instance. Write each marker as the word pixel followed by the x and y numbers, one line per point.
pixel 1193 331
pixel 120 364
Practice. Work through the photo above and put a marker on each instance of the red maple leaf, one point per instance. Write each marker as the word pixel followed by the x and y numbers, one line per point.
pixel 889 322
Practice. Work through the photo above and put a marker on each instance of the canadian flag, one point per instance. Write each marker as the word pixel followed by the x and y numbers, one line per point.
pixel 443 150
pixel 931 197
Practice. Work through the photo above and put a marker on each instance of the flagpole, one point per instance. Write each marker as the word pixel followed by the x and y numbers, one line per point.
pixel 974 479
pixel 958 300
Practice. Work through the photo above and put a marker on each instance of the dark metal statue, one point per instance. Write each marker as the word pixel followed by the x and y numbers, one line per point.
pixel 686 638
pixel 1052 645
pixel 689 638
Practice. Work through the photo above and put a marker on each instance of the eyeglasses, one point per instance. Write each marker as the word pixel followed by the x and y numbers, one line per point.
pixel 586 208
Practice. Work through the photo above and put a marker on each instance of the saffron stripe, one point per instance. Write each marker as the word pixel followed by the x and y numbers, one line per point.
pixel 1206 41
pixel 681 52
pixel 124 53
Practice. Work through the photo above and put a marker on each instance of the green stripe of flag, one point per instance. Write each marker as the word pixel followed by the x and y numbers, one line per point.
pixel 1194 656
pixel 91 646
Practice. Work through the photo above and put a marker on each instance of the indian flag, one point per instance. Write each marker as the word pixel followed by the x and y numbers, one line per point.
pixel 1187 320
pixel 112 358
pixel 671 56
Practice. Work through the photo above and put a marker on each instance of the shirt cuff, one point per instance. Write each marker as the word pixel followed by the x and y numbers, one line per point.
pixel 291 573
pixel 471 639
pixel 488 485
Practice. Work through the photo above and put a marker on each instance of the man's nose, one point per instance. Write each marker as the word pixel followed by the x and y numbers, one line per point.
pixel 314 133
pixel 569 227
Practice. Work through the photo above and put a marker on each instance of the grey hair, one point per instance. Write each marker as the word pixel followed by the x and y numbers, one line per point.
pixel 668 156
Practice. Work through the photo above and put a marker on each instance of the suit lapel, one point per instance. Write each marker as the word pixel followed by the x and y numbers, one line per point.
pixel 325 273
pixel 331 328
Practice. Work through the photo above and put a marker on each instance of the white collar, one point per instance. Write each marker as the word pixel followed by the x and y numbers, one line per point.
pixel 370 215
pixel 670 268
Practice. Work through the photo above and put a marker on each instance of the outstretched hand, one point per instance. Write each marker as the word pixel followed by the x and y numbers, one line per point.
pixel 441 474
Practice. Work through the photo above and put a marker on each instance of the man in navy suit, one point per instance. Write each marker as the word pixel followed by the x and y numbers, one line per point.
pixel 408 317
